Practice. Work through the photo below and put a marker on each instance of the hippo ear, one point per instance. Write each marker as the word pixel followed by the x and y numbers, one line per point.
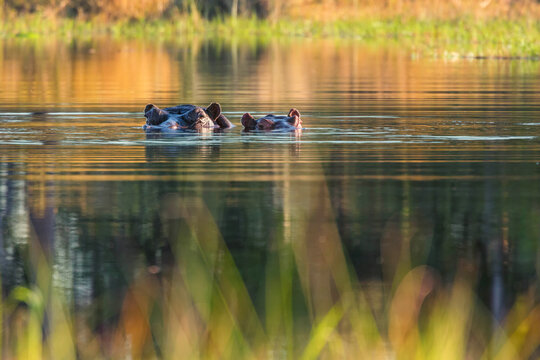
pixel 148 108
pixel 213 110
pixel 294 118
pixel 248 121
pixel 294 121
pixel 293 112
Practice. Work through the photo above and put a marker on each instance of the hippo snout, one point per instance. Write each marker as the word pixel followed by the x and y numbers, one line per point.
pixel 203 122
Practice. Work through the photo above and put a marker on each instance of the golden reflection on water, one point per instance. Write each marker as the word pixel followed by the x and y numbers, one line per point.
pixel 104 74
pixel 402 160
pixel 380 113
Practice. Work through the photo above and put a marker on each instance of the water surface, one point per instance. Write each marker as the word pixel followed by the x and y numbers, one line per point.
pixel 402 160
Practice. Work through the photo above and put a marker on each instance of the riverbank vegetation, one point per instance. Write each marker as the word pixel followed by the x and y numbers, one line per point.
pixel 467 37
pixel 463 28
pixel 324 10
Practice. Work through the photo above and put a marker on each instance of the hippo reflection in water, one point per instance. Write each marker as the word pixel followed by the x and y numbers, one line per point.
pixel 186 117
pixel 273 122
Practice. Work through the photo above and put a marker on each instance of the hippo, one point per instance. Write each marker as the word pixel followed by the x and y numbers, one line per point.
pixel 273 122
pixel 187 117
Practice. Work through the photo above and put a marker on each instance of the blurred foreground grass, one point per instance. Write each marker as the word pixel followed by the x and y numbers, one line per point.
pixel 314 306
pixel 460 37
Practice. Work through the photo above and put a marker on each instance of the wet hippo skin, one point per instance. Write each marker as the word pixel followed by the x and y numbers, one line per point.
pixel 186 117
pixel 291 121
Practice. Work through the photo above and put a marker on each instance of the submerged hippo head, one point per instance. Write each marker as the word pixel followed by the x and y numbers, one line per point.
pixel 182 117
pixel 271 122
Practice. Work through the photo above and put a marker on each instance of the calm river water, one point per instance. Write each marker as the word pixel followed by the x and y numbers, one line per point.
pixel 403 161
